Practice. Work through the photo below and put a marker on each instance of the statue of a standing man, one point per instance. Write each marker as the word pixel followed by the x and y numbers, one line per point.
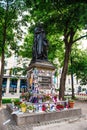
pixel 40 46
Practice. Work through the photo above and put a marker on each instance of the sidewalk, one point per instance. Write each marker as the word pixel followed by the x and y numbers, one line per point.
pixel 9 95
pixel 72 124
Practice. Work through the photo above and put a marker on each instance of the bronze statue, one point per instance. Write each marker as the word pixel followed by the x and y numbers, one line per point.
pixel 40 46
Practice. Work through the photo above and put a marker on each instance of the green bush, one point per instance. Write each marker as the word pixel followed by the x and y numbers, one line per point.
pixel 9 100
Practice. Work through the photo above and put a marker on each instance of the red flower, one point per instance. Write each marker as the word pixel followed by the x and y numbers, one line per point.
pixel 43 107
pixel 59 106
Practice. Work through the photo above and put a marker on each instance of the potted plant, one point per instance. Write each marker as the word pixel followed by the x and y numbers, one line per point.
pixel 30 108
pixel 23 107
pixel 47 97
pixel 71 103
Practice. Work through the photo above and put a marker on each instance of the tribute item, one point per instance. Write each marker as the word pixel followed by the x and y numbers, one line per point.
pixel 40 46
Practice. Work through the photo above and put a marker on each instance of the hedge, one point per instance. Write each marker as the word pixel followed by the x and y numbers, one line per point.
pixel 8 100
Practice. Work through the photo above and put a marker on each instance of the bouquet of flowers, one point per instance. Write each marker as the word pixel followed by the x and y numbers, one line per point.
pixel 25 96
pixel 23 104
pixel 59 106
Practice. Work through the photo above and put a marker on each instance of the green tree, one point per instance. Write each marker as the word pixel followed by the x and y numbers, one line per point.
pixel 26 48
pixel 9 11
pixel 78 66
pixel 74 59
pixel 81 67
pixel 62 17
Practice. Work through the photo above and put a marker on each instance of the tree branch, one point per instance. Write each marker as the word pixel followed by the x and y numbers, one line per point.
pixel 80 38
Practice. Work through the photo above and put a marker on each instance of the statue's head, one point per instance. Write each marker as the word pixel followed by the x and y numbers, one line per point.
pixel 39 28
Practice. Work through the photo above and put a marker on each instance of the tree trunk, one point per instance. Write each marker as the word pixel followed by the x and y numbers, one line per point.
pixel 1 76
pixel 3 52
pixel 64 72
pixel 72 81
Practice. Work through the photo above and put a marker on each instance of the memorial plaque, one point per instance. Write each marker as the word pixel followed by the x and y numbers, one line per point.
pixel 44 81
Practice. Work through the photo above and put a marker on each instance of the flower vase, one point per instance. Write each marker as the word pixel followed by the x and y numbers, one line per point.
pixel 71 104
pixel 30 111
pixel 23 109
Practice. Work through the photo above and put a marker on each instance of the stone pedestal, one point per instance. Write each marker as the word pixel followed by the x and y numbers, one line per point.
pixel 40 75
pixel 37 118
pixel 42 64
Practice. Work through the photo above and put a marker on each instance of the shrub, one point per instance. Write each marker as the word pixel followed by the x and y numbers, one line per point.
pixel 9 100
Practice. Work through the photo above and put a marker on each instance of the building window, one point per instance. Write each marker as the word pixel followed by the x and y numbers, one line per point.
pixel 4 84
pixel 13 86
pixel 23 85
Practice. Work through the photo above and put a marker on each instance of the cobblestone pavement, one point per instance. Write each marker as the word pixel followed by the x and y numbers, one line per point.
pixel 79 123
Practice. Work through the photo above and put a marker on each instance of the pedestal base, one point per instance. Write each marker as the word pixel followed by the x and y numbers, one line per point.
pixel 35 118
pixel 42 65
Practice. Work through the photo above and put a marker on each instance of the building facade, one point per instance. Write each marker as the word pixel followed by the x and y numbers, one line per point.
pixel 14 82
